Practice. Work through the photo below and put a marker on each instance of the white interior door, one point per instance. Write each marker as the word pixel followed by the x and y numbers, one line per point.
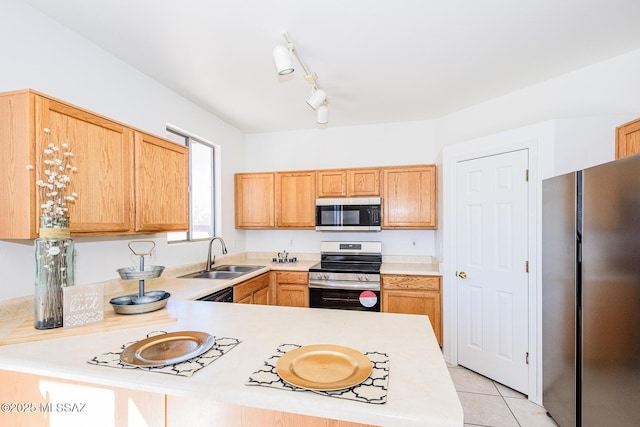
pixel 492 282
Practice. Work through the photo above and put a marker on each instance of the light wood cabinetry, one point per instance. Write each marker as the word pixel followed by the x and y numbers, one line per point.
pixel 188 411
pixel 331 183
pixel 628 139
pixel 412 294
pixel 161 182
pixel 36 400
pixel 348 183
pixel 102 153
pixel 409 195
pixel 295 199
pixel 292 288
pixel 253 291
pixel 287 199
pixel 363 182
pixel 111 200
pixel 43 399
pixel 255 200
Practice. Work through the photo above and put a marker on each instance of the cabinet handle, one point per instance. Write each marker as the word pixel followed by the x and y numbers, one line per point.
pixel 461 274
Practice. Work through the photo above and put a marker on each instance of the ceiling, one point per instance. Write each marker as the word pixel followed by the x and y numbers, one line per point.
pixel 378 61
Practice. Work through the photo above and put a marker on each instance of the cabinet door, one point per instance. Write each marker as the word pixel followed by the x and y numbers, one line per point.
pixel 415 302
pixel 331 183
pixel 409 197
pixel 295 199
pixel 161 184
pixel 363 182
pixel 261 296
pixel 292 295
pixel 410 294
pixel 102 154
pixel 292 288
pixel 254 200
pixel 628 139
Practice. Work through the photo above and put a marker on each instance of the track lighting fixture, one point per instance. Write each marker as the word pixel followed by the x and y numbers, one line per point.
pixel 282 57
pixel 317 98
pixel 322 114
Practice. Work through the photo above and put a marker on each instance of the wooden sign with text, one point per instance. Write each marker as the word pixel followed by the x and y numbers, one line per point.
pixel 83 305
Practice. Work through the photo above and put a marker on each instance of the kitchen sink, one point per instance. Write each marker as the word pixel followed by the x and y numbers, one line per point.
pixel 223 272
pixel 238 268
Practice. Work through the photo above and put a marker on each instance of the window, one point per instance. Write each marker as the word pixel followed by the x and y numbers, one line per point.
pixel 202 216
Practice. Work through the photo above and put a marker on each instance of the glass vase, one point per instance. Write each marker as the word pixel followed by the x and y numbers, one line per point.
pixel 54 251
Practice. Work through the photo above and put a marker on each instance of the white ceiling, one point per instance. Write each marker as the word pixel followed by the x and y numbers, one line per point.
pixel 378 61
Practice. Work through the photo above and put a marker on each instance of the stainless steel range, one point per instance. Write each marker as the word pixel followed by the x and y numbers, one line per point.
pixel 347 276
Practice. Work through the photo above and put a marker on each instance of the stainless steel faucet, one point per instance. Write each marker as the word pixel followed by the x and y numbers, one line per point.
pixel 212 261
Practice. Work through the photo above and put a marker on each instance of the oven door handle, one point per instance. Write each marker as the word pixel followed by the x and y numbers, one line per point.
pixel 338 284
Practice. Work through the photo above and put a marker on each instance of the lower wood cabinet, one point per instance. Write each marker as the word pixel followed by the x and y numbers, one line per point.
pixel 39 401
pixel 253 291
pixel 292 288
pixel 411 294
pixel 35 400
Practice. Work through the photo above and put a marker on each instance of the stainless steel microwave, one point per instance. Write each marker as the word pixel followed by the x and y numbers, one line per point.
pixel 348 214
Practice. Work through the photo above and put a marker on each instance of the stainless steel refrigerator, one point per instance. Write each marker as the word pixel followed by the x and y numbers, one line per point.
pixel 591 295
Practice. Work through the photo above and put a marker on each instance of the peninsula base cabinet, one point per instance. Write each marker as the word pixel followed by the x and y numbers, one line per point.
pixel 411 294
pixel 292 288
pixel 185 411
pixel 38 401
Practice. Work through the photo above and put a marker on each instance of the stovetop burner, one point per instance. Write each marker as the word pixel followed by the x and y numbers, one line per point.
pixel 351 257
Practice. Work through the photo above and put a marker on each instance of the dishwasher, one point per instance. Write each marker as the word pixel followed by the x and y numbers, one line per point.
pixel 223 295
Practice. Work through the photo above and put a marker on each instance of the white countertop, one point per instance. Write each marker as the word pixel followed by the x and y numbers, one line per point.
pixel 420 393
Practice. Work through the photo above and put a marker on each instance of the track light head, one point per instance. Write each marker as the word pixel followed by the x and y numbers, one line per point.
pixel 282 59
pixel 317 98
pixel 322 114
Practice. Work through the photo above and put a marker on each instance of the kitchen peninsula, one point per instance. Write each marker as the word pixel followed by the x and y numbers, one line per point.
pixel 420 391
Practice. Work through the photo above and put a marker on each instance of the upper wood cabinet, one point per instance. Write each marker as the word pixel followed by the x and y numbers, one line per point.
pixel 254 200
pixel 295 198
pixel 161 183
pixel 628 139
pixel 409 195
pixel 348 183
pixel 331 183
pixel 110 200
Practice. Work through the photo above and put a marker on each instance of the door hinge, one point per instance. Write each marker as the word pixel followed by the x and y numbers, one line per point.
pixel 527 358
pixel 526 175
pixel 526 266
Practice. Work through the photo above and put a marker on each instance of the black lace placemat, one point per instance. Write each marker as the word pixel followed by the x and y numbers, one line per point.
pixel 371 390
pixel 187 368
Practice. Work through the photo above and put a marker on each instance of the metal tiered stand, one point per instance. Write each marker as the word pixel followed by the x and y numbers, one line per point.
pixel 142 302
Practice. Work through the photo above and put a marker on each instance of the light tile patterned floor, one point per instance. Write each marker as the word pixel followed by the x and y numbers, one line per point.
pixel 489 404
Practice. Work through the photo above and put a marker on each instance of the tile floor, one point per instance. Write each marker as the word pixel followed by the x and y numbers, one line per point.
pixel 489 404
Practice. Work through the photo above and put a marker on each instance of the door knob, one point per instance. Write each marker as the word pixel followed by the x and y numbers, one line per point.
pixel 461 274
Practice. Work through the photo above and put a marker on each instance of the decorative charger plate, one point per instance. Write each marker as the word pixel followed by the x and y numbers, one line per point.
pixel 167 349
pixel 324 367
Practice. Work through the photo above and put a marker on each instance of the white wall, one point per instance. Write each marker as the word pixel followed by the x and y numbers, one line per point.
pixel 40 54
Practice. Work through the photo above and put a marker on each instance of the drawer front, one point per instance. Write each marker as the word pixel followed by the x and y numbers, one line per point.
pixel 411 282
pixel 297 277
